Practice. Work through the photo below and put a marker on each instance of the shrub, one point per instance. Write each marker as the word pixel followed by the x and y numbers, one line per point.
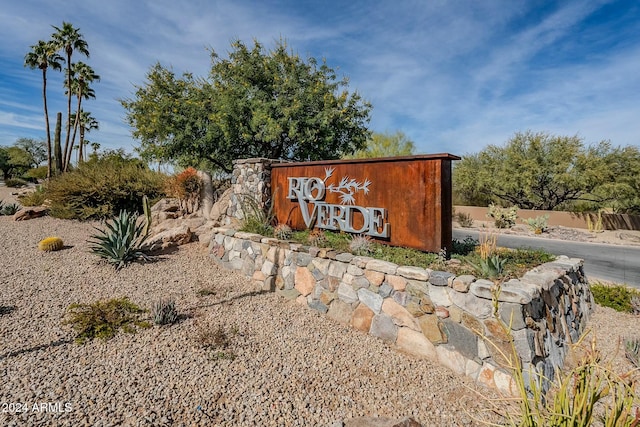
pixel 503 217
pixel 102 187
pixel 120 243
pixel 186 187
pixel 464 219
pixel 617 297
pixel 34 198
pixel 217 339
pixel 164 312
pixel 257 219
pixel 465 246
pixel 38 173
pixel 51 244
pixel 537 224
pixel 317 238
pixel 361 245
pixel 103 319
pixel 15 182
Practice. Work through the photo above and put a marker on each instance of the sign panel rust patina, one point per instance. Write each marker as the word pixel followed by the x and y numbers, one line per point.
pixel 401 201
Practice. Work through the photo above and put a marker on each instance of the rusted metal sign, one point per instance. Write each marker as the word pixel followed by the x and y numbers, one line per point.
pixel 402 201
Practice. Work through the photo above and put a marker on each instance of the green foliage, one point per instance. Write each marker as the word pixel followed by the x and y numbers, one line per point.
pixel 15 182
pixel 617 297
pixel 8 209
pixel 256 103
pixel 164 312
pixel 361 245
pixel 36 151
pixel 465 246
pixel 102 187
pixel 541 171
pixel 503 217
pixel 490 267
pixel 36 174
pixel 632 351
pixel 121 241
pixel 464 219
pixel 103 319
pixel 33 198
pixel 537 224
pixel 385 145
pixel 258 219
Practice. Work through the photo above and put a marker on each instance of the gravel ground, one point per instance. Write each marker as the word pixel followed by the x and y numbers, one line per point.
pixel 293 366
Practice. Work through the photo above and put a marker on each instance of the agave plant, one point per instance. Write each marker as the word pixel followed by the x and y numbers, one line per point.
pixel 120 242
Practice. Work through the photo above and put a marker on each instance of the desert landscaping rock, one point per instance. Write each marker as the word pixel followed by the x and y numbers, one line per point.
pixel 285 365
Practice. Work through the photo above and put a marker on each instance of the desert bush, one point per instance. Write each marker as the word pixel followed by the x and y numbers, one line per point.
pixel 617 297
pixel 36 174
pixel 103 319
pixel 464 247
pixel 503 217
pixel 215 339
pixel 538 224
pixel 464 219
pixel 164 312
pixel 15 182
pixel 33 198
pixel 186 187
pixel 120 242
pixel 361 245
pixel 102 187
pixel 257 219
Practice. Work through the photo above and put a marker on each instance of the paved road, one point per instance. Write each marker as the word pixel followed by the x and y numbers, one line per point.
pixel 615 263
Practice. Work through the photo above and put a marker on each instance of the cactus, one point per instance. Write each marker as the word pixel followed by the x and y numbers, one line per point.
pixel 51 244
pixel 146 208
pixel 317 238
pixel 361 245
pixel 164 312
pixel 282 232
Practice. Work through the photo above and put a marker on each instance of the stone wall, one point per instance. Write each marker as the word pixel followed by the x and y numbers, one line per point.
pixel 251 188
pixel 430 314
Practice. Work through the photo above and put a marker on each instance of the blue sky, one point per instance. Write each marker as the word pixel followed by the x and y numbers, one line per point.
pixel 454 76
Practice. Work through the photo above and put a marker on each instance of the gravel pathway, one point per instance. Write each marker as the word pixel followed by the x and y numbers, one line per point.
pixel 293 366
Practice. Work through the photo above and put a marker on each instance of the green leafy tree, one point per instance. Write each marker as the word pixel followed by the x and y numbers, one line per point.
pixel 385 145
pixel 37 150
pixel 14 161
pixel 44 56
pixel 537 171
pixel 256 103
pixel 69 40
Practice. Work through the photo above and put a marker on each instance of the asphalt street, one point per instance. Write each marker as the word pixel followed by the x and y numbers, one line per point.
pixel 614 263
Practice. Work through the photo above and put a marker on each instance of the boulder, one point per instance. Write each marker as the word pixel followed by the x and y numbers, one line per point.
pixel 30 213
pixel 168 238
pixel 219 209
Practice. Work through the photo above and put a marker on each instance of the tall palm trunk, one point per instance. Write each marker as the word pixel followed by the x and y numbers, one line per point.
pixel 57 145
pixel 76 124
pixel 46 120
pixel 67 137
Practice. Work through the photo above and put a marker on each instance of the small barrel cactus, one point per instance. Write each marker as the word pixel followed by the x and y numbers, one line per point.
pixel 282 232
pixel 317 238
pixel 50 244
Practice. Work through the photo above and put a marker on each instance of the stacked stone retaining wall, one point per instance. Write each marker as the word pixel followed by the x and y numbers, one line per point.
pixel 432 314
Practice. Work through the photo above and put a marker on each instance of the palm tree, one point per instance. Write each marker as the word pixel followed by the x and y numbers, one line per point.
pixel 82 76
pixel 68 39
pixel 94 147
pixel 44 56
pixel 86 122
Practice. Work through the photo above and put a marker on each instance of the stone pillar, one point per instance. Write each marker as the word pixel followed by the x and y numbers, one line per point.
pixel 251 188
